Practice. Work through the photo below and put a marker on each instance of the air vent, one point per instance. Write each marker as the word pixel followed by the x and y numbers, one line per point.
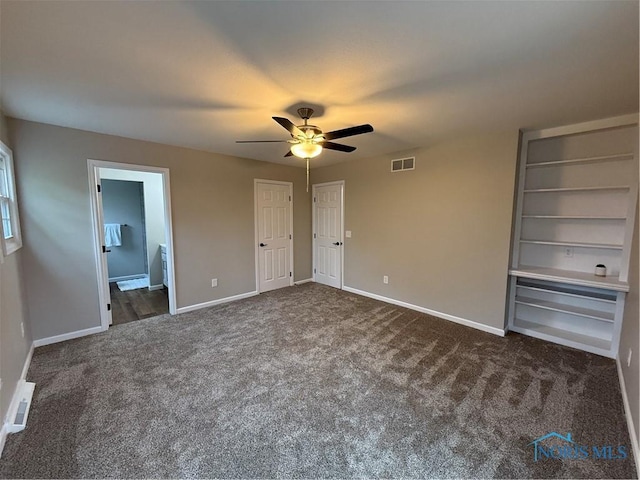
pixel 24 394
pixel 401 164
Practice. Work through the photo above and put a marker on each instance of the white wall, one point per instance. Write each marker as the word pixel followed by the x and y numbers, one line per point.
pixel 154 215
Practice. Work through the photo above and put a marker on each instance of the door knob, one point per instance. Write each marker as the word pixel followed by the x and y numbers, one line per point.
pixel 337 244
pixel 263 244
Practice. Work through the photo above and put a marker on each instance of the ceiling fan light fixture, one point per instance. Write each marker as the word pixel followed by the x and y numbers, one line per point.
pixel 306 149
pixel 308 141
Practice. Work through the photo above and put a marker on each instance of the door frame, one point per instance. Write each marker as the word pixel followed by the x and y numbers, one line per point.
pixel 97 215
pixel 256 181
pixel 313 226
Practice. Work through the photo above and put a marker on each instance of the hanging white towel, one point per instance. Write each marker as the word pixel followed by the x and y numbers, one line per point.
pixel 112 235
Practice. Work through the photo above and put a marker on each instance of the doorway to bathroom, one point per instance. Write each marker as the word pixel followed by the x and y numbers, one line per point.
pixel 132 233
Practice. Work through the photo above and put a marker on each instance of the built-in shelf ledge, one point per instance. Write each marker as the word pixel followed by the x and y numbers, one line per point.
pixel 591 344
pixel 569 292
pixel 568 309
pixel 572 217
pixel 606 246
pixel 570 277
pixel 578 161
pixel 576 189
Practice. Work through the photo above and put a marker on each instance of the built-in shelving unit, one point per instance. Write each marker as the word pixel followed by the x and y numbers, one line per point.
pixel 576 208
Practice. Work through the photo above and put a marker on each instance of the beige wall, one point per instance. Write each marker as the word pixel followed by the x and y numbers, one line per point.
pixel 630 336
pixel 212 209
pixel 14 348
pixel 441 232
pixel 4 133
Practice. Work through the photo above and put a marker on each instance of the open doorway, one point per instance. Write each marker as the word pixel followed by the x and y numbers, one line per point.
pixel 132 233
pixel 133 215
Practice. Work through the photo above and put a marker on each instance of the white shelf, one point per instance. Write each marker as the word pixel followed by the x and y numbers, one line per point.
pixel 607 246
pixel 597 345
pixel 576 189
pixel 564 291
pixel 578 161
pixel 563 308
pixel 570 277
pixel 572 217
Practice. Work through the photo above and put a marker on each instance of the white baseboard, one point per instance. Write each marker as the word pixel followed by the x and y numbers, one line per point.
pixel 306 280
pixel 127 277
pixel 160 286
pixel 462 321
pixel 3 437
pixel 41 342
pixel 212 303
pixel 627 411
pixel 27 363
pixel 15 399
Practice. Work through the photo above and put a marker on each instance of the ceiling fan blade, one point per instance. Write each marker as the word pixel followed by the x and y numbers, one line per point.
pixel 291 128
pixel 337 146
pixel 288 154
pixel 262 141
pixel 348 132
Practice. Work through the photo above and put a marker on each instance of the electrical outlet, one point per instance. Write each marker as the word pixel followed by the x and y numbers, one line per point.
pixel 214 282
pixel 629 358
pixel 568 251
pixel 22 328
pixel 385 279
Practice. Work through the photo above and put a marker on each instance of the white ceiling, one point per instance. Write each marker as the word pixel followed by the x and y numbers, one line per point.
pixel 204 74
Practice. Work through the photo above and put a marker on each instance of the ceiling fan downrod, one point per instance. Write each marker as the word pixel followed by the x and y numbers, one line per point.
pixel 305 113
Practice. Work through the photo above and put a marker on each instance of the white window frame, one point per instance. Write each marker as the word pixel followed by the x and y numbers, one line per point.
pixel 13 243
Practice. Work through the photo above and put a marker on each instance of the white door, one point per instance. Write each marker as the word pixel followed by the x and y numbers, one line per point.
pixel 103 283
pixel 328 234
pixel 274 242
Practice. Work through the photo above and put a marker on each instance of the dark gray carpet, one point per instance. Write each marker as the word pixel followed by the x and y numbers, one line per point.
pixel 313 382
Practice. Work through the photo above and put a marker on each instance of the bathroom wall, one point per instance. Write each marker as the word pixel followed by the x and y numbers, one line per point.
pixel 153 215
pixel 123 203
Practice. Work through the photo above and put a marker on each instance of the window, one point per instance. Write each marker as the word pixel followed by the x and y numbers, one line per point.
pixel 12 239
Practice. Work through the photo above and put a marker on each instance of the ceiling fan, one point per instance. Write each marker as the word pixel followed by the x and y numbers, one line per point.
pixel 307 141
